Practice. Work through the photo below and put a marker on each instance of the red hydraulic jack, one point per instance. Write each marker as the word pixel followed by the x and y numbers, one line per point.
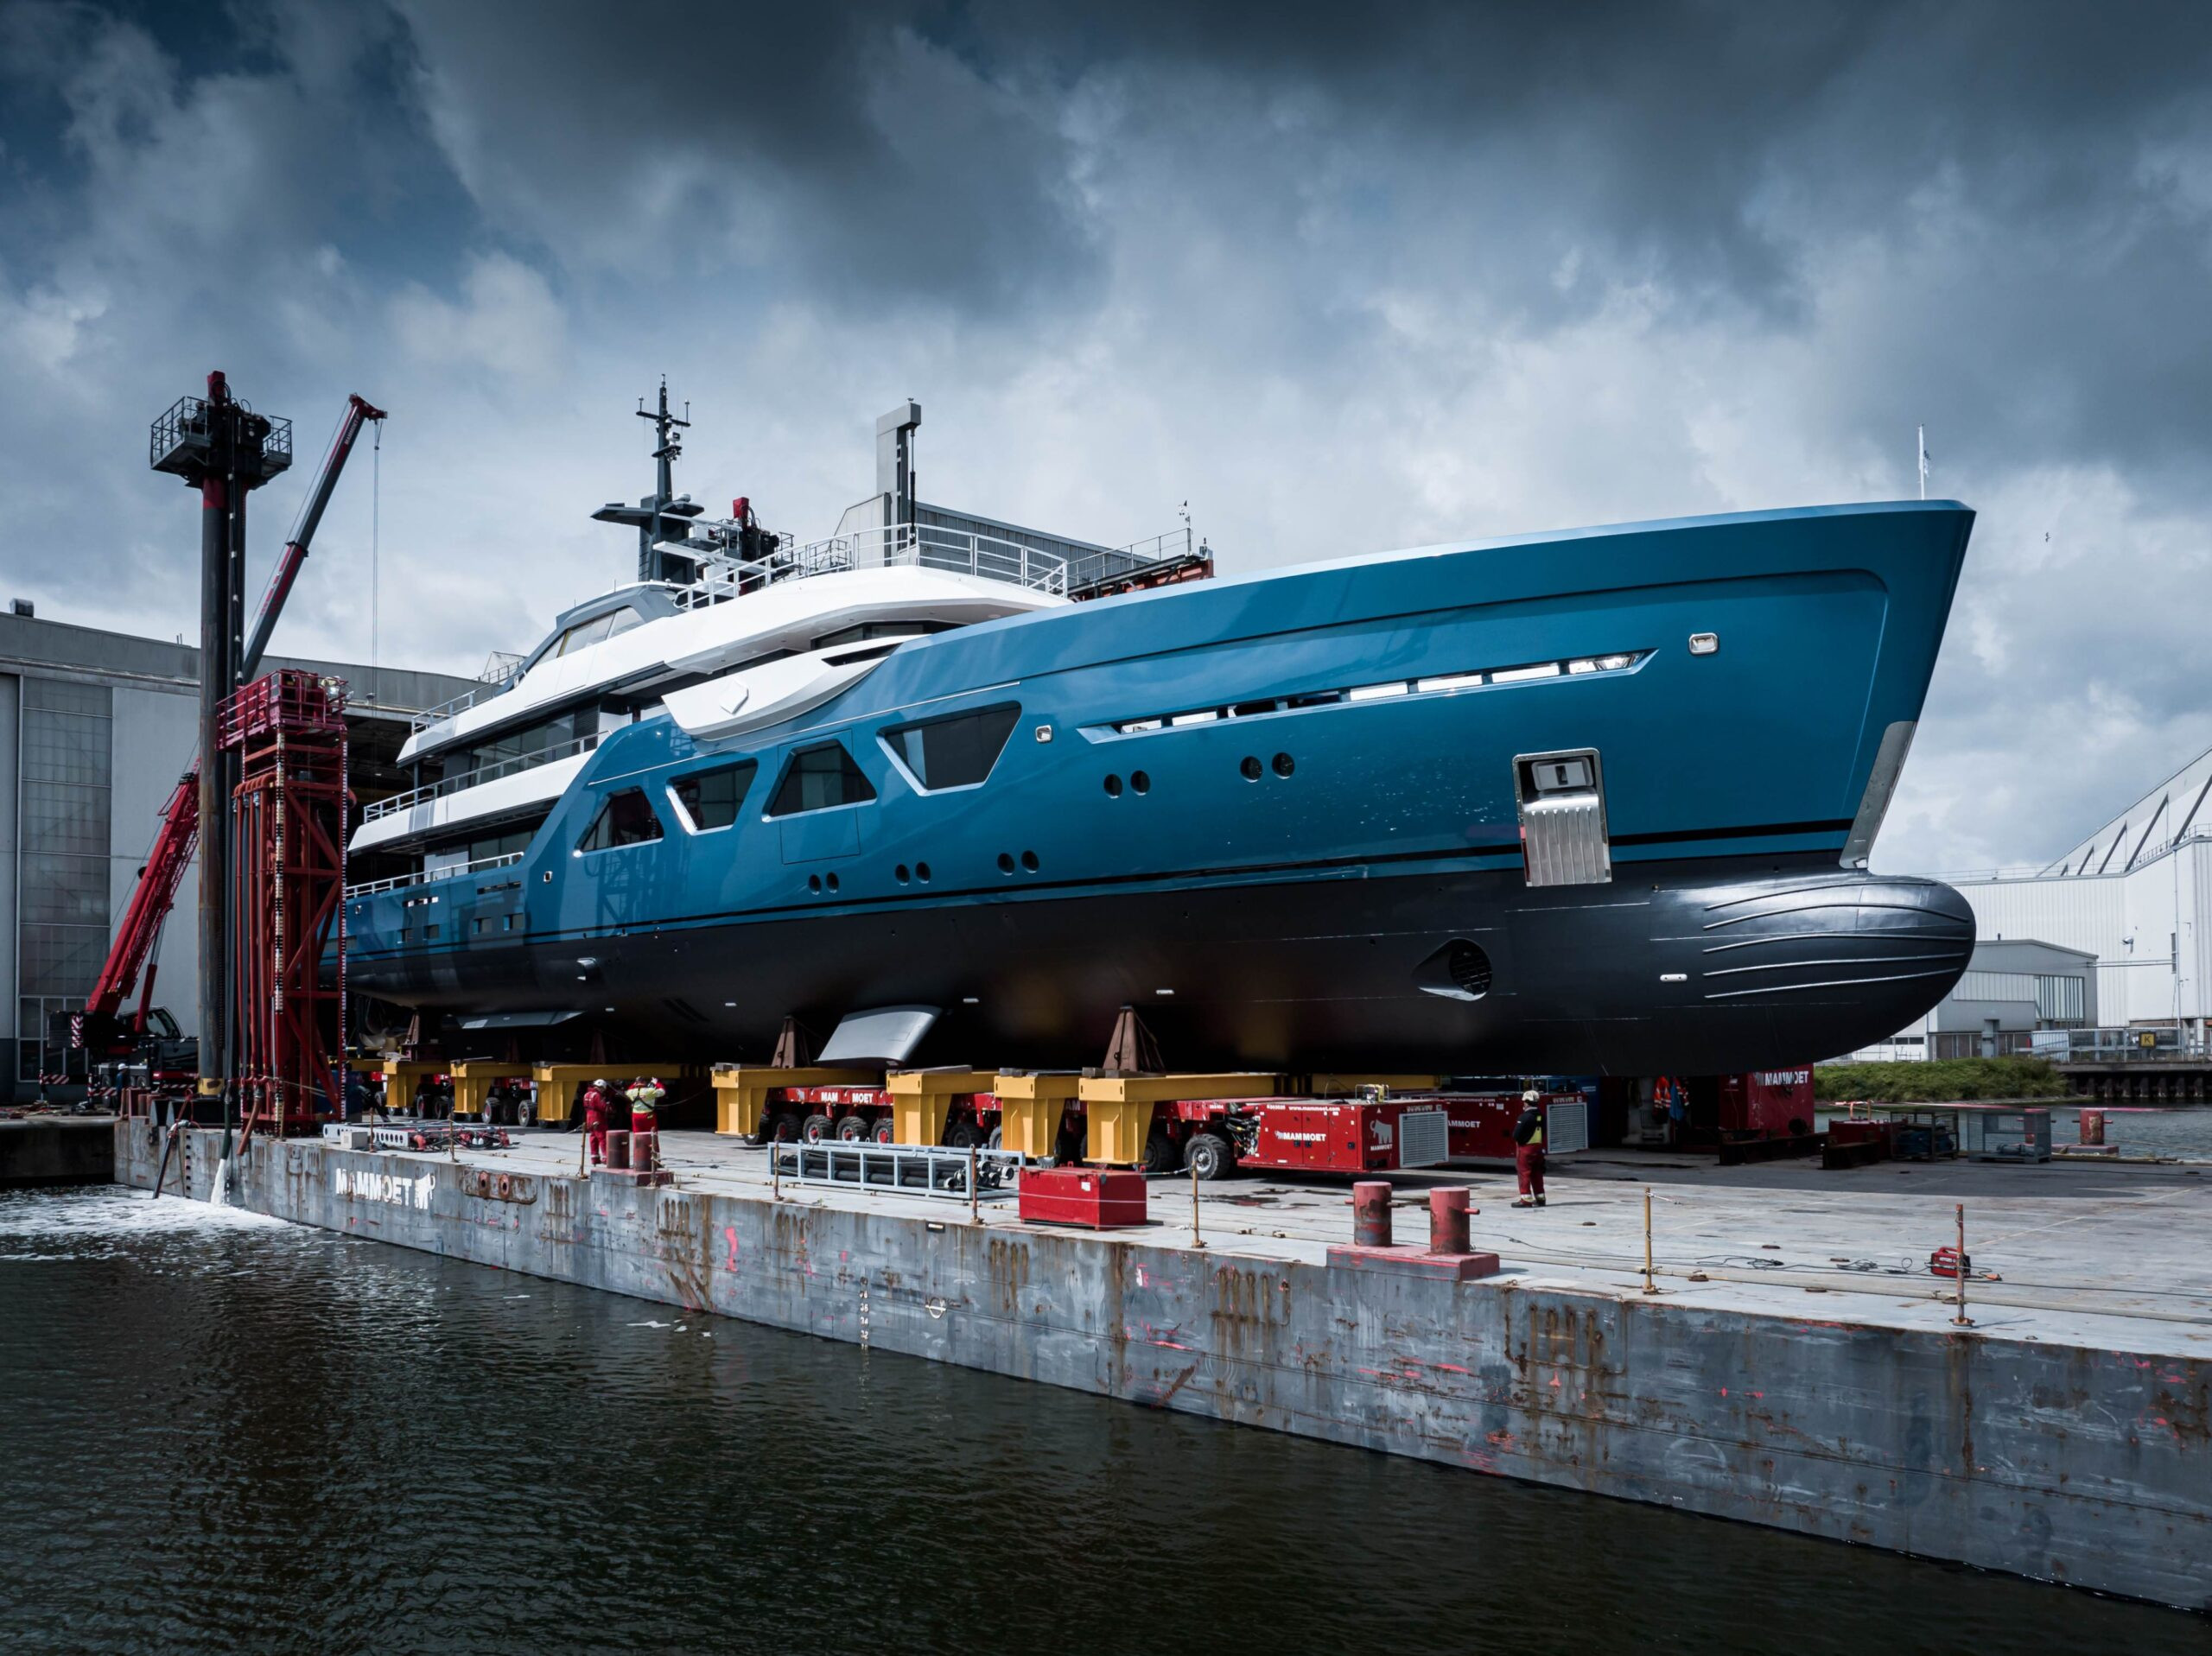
pixel 1449 1257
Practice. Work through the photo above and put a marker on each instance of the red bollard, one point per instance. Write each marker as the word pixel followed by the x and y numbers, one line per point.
pixel 617 1150
pixel 2093 1126
pixel 645 1152
pixel 1371 1214
pixel 1447 1220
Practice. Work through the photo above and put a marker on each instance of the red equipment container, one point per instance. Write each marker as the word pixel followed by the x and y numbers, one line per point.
pixel 1766 1103
pixel 1481 1123
pixel 1327 1135
pixel 1097 1198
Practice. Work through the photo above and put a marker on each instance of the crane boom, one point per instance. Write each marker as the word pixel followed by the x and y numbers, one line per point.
pixel 100 1027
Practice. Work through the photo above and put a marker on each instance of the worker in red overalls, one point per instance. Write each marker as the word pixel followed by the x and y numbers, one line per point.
pixel 1529 1151
pixel 645 1095
pixel 599 1111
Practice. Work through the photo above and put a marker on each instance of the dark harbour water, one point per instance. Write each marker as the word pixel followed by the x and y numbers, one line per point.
pixel 221 1433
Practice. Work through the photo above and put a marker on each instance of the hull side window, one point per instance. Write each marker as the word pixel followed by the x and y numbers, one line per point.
pixel 627 818
pixel 819 777
pixel 957 752
pixel 710 799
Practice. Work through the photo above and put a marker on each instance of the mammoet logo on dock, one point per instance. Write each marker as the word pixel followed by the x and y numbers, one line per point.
pixel 382 1187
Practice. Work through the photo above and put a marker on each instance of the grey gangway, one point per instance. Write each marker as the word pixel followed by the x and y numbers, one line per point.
pixel 899 1170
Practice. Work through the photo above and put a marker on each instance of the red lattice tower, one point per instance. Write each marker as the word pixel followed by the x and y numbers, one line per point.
pixel 288 817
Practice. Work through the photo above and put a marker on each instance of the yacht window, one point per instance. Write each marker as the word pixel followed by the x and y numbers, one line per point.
pixel 621 621
pixel 879 629
pixel 710 799
pixel 584 633
pixel 819 777
pixel 624 819
pixel 955 753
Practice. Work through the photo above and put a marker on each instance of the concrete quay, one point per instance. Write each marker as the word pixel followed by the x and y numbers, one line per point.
pixel 45 1149
pixel 1799 1367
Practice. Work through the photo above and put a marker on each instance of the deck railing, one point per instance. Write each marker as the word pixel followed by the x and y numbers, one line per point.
pixel 481 775
pixel 423 877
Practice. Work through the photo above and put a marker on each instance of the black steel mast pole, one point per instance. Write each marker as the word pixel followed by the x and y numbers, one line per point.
pixel 216 486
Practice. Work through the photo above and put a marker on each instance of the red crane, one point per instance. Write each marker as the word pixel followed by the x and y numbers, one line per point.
pixel 101 1028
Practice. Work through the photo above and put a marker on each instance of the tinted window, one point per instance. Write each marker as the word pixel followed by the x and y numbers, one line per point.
pixel 711 798
pixel 818 778
pixel 624 819
pixel 957 751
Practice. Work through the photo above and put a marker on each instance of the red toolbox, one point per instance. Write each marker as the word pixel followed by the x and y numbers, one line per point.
pixel 1098 1198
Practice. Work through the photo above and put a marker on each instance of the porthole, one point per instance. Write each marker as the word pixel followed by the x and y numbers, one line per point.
pixel 922 873
pixel 1140 782
pixel 1283 764
pixel 833 882
pixel 1006 862
pixel 1251 767
pixel 1113 787
pixel 1029 862
pixel 899 873
pixel 813 883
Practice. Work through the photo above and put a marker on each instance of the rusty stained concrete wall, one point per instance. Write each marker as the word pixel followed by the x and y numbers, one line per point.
pixel 2062 1463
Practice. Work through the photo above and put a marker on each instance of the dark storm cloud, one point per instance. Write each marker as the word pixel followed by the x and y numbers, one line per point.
pixel 1346 276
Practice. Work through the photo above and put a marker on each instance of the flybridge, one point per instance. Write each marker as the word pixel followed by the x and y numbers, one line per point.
pixel 687 562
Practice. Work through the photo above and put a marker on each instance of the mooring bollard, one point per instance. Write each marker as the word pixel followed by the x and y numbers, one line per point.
pixel 618 1150
pixel 1649 1287
pixel 1447 1221
pixel 1196 1239
pixel 2093 1126
pixel 1371 1214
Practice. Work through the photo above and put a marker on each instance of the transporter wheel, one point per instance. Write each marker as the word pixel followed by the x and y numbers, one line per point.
pixel 997 1141
pixel 964 1134
pixel 883 1130
pixel 1207 1155
pixel 851 1129
pixel 1161 1154
pixel 784 1129
pixel 1068 1147
pixel 815 1128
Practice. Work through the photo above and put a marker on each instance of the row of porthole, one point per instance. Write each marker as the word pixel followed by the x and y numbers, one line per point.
pixel 1282 764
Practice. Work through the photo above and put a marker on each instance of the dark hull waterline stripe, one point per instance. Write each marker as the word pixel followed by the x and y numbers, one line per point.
pixel 933 896
pixel 1756 832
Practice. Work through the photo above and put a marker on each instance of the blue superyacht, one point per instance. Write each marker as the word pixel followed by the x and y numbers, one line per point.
pixel 1592 802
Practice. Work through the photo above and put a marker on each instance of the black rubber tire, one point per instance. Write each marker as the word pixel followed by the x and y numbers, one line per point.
pixel 997 1141
pixel 883 1130
pixel 1207 1155
pixel 815 1128
pixel 1068 1148
pixel 784 1128
pixel 851 1129
pixel 963 1134
pixel 1161 1154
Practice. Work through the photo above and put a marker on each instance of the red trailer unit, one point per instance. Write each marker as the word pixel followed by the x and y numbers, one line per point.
pixel 1767 1104
pixel 1320 1135
pixel 1482 1124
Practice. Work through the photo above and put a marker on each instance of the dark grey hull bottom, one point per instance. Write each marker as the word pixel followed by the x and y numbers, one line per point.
pixel 1700 968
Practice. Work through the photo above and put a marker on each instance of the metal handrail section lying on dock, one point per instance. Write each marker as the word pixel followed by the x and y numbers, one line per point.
pixel 906 1170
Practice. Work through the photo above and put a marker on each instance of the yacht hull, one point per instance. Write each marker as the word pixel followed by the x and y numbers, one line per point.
pixel 1281 816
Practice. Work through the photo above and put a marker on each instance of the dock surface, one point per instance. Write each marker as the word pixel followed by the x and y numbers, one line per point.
pixel 1798 1366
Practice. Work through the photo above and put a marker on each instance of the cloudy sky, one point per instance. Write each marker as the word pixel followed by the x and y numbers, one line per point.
pixel 1344 277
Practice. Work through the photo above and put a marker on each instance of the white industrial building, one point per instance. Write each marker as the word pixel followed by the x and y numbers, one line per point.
pixel 95 729
pixel 2136 895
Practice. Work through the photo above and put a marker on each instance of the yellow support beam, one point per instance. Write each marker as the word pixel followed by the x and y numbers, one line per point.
pixel 1117 1110
pixel 401 1076
pixel 921 1099
pixel 1030 1107
pixel 1338 1086
pixel 1168 1089
pixel 472 1079
pixel 741 1090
